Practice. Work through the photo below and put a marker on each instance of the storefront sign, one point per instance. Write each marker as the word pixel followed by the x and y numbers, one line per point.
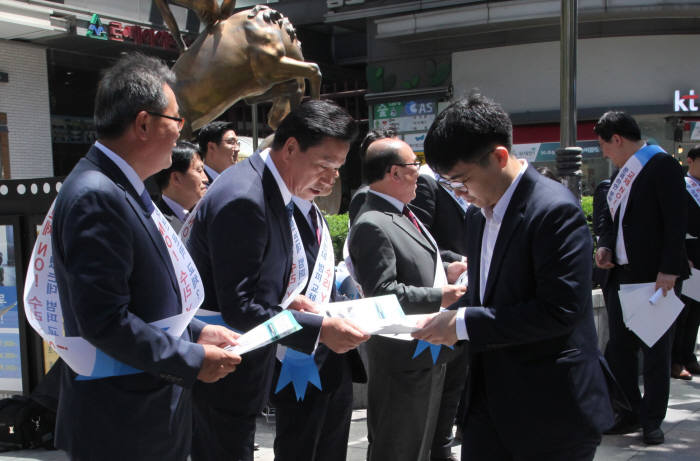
pixel 694 131
pixel 404 116
pixel 546 151
pixel 135 34
pixel 686 102
pixel 10 359
pixel 72 130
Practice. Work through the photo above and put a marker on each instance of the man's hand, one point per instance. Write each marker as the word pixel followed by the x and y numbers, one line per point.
pixel 303 304
pixel 341 335
pixel 451 293
pixel 217 363
pixel 441 329
pixel 217 335
pixel 665 282
pixel 603 258
pixel 454 270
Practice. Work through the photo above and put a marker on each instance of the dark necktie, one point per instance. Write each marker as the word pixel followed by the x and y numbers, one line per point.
pixel 147 202
pixel 409 214
pixel 313 215
pixel 290 209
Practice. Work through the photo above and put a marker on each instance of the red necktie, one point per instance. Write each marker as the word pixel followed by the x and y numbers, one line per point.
pixel 409 214
pixel 313 214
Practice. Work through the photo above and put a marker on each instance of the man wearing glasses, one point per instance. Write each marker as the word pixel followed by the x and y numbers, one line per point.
pixel 219 147
pixel 393 253
pixel 536 388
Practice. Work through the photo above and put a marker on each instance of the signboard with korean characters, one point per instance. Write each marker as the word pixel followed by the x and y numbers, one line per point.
pixel 404 116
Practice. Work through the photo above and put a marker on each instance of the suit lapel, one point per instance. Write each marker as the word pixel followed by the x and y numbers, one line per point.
pixel 115 174
pixel 378 203
pixel 475 225
pixel 511 221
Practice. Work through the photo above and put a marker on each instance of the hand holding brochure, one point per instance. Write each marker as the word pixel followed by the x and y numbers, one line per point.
pixel 279 326
pixel 381 315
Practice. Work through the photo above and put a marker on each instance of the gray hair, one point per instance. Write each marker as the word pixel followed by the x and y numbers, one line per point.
pixel 134 83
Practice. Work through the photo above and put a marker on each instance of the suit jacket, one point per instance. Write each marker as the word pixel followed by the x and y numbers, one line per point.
pixel 242 244
pixel 329 363
pixel 602 224
pixel 169 214
pixel 115 276
pixel 391 256
pixel 693 245
pixel 534 342
pixel 654 223
pixel 443 217
pixel 356 202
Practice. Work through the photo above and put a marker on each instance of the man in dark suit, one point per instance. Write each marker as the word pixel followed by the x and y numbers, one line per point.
pixel 317 427
pixel 444 215
pixel 536 388
pixel 241 240
pixel 392 254
pixel 219 147
pixel 115 277
pixel 182 185
pixel 646 243
pixel 687 326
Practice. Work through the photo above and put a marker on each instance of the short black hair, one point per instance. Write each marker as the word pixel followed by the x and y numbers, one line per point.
pixel 313 121
pixel 182 158
pixel 370 137
pixel 212 132
pixel 466 131
pixel 134 83
pixel 694 152
pixel 378 161
pixel 619 123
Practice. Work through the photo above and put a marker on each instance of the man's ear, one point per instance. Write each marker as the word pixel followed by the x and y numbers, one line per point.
pixel 501 154
pixel 141 125
pixel 175 178
pixel 291 145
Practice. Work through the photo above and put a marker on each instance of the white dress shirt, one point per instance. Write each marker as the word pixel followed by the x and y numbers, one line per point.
pixel 492 226
pixel 393 200
pixel 123 166
pixel 270 164
pixel 179 210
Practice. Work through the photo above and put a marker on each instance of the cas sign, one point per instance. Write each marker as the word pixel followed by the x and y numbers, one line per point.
pixel 686 102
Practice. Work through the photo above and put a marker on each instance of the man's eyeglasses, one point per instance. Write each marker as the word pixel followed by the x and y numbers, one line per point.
pixel 416 164
pixel 456 186
pixel 232 141
pixel 180 121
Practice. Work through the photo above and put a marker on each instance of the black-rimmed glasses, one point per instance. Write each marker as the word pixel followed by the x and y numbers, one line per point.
pixel 180 120
pixel 416 164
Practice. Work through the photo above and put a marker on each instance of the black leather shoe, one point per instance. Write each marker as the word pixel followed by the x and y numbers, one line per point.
pixel 624 426
pixel 693 368
pixel 653 436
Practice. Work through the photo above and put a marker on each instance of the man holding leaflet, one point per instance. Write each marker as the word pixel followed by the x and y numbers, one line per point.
pixel 116 276
pixel 536 388
pixel 392 253
pixel 646 243
pixel 317 427
pixel 247 246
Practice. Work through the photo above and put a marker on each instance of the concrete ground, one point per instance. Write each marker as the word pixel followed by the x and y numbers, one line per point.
pixel 682 428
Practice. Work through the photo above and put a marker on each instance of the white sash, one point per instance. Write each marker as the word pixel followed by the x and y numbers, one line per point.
pixel 693 188
pixel 42 305
pixel 321 281
pixel 426 170
pixel 300 271
pixel 620 188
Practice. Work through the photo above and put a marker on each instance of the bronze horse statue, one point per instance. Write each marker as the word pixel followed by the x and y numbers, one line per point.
pixel 254 55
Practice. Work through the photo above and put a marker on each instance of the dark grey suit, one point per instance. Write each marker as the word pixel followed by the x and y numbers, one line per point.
pixel 391 256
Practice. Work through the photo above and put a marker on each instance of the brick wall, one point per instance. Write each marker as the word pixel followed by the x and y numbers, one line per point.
pixel 25 100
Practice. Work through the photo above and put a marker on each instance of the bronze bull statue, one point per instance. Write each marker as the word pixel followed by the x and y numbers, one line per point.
pixel 253 55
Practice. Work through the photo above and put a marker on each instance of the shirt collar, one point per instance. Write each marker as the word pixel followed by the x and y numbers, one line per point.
pixel 398 204
pixel 211 172
pixel 499 209
pixel 178 209
pixel 123 166
pixel 303 205
pixel 270 164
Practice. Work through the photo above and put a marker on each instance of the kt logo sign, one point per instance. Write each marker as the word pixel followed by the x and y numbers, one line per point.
pixel 686 102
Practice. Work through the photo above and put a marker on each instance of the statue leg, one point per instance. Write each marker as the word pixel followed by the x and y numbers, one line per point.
pixel 172 24
pixel 270 68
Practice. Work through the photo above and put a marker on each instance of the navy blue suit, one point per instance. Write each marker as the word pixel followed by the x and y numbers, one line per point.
pixel 241 242
pixel 654 227
pixel 317 428
pixel 536 383
pixel 114 277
